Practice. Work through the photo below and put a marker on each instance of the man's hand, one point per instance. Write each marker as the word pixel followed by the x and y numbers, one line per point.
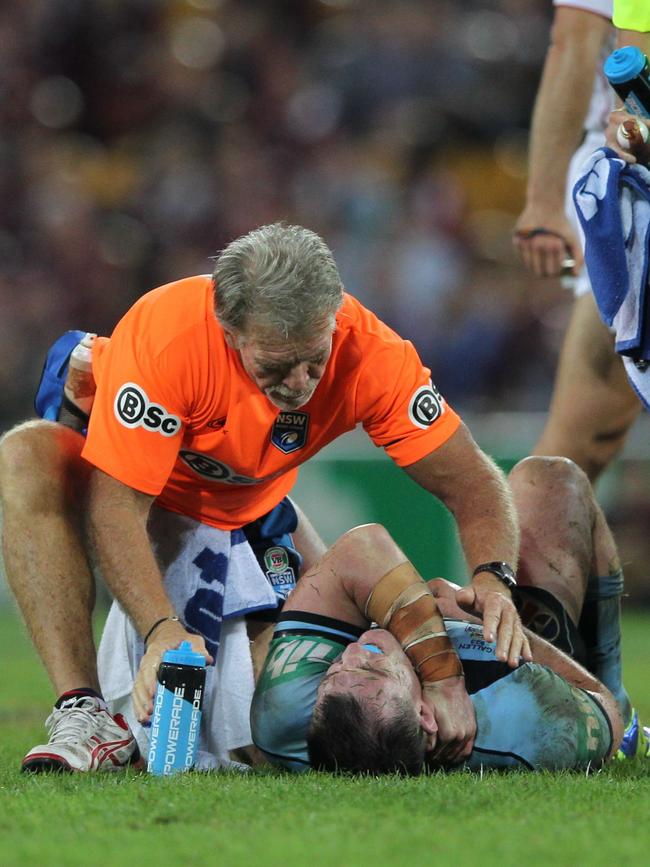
pixel 545 240
pixel 626 128
pixel 488 598
pixel 166 637
pixel 455 717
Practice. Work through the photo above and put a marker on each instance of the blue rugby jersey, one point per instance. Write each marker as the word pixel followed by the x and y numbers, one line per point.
pixel 529 717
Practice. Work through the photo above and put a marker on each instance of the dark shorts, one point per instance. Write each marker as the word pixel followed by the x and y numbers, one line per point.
pixel 541 612
pixel 272 543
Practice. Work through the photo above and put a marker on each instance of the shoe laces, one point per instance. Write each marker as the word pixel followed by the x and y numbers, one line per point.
pixel 74 723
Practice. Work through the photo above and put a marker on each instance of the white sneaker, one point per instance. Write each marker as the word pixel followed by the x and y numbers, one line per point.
pixel 84 737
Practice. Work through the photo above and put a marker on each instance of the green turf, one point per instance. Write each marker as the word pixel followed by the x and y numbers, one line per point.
pixel 269 819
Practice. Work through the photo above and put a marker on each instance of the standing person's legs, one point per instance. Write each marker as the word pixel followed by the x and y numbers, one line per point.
pixel 593 404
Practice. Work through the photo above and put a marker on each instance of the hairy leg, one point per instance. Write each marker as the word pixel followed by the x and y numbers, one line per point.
pixel 556 511
pixel 42 485
pixel 593 404
pixel 568 550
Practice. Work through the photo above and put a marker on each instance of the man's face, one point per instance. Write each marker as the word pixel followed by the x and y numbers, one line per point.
pixel 286 370
pixel 381 678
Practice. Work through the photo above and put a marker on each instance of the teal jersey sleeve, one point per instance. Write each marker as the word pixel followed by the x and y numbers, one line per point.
pixel 534 719
pixel 303 648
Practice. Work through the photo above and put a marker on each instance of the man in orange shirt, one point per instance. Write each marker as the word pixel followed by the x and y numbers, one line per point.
pixel 210 393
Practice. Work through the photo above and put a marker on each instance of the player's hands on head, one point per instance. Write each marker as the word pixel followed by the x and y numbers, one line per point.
pixel 489 599
pixel 546 240
pixel 167 636
pixel 625 136
pixel 455 717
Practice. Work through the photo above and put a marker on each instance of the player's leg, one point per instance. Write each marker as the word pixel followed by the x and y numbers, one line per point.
pixel 42 485
pixel 567 550
pixel 600 628
pixel 593 404
pixel 555 506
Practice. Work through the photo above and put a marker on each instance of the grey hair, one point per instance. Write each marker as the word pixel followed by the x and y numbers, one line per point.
pixel 281 277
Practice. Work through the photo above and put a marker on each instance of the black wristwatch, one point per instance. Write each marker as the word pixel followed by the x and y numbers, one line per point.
pixel 502 571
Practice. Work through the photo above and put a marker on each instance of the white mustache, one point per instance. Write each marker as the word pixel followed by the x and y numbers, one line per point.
pixel 288 394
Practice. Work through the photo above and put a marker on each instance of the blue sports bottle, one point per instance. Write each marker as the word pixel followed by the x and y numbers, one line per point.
pixel 628 71
pixel 176 720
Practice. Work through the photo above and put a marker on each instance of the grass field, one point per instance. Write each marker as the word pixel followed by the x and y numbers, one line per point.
pixel 273 819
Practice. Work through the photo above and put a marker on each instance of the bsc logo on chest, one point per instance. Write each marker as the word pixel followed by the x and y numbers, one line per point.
pixel 289 431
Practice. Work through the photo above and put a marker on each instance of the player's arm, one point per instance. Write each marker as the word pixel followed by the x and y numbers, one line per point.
pixel 365 577
pixel 476 492
pixel 117 524
pixel 545 654
pixel 402 603
pixel 560 108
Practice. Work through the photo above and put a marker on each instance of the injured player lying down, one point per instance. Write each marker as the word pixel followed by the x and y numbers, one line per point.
pixel 336 695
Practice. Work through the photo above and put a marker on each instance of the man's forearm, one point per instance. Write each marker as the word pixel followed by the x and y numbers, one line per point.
pixel 486 517
pixel 476 492
pixel 562 101
pixel 117 524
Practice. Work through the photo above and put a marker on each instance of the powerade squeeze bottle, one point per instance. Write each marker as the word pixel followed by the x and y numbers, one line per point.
pixel 176 720
pixel 628 71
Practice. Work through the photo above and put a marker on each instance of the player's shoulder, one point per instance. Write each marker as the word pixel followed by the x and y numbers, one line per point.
pixel 185 297
pixel 169 311
pixel 358 325
pixel 303 647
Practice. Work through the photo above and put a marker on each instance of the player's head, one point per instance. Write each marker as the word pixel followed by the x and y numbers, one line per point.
pixel 277 292
pixel 369 715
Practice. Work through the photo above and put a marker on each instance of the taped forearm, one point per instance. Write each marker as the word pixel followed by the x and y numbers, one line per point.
pixel 402 603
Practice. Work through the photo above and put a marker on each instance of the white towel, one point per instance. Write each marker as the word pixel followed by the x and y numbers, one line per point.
pixel 212 578
pixel 613 204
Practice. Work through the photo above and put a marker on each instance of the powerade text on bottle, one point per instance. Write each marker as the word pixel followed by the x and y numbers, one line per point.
pixel 628 71
pixel 176 720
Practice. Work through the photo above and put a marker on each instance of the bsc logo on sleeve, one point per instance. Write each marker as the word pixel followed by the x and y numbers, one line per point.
pixel 134 409
pixel 425 406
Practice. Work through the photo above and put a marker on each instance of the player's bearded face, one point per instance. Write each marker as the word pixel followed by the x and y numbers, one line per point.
pixel 286 370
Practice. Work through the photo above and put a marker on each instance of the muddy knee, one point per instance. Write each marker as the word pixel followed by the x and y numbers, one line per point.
pixel 551 472
pixel 39 463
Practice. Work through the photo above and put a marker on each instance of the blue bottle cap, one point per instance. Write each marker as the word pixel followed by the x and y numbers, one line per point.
pixel 624 64
pixel 373 648
pixel 184 655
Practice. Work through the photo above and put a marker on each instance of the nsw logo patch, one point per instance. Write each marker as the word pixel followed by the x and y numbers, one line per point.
pixel 425 406
pixel 289 432
pixel 133 409
pixel 279 571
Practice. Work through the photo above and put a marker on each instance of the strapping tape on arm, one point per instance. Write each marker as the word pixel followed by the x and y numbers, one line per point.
pixel 402 603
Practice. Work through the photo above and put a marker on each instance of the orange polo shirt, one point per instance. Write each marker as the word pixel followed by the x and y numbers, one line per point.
pixel 177 416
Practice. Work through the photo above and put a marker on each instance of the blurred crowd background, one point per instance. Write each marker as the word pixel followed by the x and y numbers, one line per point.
pixel 137 137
